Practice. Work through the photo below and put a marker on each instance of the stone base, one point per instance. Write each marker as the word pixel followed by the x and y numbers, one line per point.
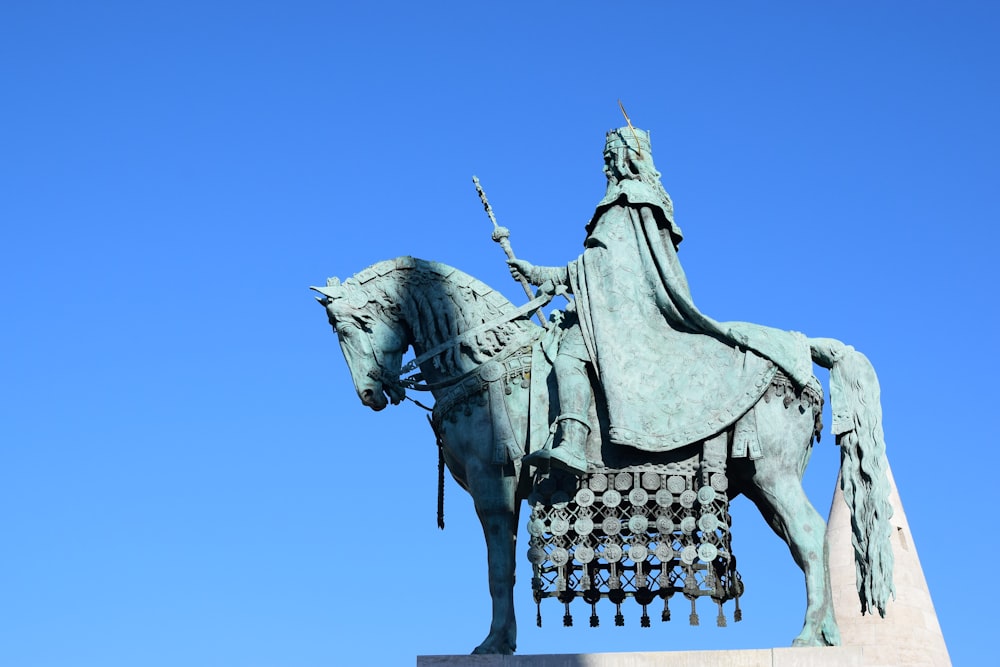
pixel 839 656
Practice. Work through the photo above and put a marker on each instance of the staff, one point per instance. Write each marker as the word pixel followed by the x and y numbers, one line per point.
pixel 502 236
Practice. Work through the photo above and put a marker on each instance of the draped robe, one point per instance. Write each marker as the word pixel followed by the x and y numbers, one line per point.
pixel 670 374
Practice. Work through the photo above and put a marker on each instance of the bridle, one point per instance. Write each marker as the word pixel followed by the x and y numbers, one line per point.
pixel 416 381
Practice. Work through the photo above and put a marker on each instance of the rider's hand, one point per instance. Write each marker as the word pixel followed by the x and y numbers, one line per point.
pixel 520 268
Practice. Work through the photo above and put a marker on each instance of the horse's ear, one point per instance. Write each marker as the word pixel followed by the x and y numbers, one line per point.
pixel 330 292
pixel 333 290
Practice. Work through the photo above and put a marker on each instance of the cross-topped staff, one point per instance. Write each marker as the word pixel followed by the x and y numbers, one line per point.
pixel 502 236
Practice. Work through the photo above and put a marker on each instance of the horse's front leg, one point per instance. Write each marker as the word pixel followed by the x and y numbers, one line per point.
pixel 496 505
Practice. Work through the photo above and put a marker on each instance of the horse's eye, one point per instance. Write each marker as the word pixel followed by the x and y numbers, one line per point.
pixel 346 329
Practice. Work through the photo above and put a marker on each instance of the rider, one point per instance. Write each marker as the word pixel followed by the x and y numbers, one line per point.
pixel 631 303
pixel 635 203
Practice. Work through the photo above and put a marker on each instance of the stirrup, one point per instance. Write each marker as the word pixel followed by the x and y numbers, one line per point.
pixel 538 458
pixel 572 462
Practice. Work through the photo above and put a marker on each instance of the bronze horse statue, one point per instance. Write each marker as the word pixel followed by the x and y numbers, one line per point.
pixel 475 352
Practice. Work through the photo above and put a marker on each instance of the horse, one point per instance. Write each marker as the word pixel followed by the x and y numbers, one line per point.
pixel 473 350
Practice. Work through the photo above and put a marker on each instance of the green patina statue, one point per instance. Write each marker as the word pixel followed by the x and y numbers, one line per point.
pixel 628 421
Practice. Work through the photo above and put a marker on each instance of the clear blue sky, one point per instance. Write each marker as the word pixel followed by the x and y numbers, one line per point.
pixel 186 477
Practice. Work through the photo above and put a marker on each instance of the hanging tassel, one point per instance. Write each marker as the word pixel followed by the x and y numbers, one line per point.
pixel 566 596
pixel 691 593
pixel 538 618
pixel 665 616
pixel 617 595
pixel 594 620
pixel 720 620
pixel 440 507
pixel 440 489
pixel 644 597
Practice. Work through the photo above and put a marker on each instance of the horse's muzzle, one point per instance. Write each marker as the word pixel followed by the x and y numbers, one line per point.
pixel 375 400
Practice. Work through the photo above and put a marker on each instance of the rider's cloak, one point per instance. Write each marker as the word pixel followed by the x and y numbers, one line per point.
pixel 670 374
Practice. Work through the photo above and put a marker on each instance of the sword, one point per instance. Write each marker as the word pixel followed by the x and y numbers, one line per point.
pixel 502 236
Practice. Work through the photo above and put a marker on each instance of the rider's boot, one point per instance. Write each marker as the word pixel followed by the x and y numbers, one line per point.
pixel 576 396
pixel 570 450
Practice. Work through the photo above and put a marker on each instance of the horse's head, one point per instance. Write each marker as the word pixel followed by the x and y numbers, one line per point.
pixel 372 343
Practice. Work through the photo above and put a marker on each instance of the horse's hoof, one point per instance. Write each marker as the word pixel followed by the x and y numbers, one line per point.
pixel 821 640
pixel 484 649
pixel 823 633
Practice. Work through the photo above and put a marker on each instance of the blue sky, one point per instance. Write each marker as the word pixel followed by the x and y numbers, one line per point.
pixel 186 476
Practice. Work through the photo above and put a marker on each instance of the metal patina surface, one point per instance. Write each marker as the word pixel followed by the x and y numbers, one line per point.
pixel 628 421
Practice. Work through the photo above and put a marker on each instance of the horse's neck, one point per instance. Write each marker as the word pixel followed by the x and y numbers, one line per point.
pixel 438 303
pixel 431 330
pixel 451 357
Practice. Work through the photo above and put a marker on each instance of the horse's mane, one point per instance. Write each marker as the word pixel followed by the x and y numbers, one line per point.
pixel 438 302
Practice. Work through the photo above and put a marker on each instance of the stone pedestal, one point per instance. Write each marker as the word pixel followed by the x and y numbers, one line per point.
pixel 909 634
pixel 839 656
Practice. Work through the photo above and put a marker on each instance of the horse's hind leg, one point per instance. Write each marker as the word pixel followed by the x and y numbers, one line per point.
pixel 775 486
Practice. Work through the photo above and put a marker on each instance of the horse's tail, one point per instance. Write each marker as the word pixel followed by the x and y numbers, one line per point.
pixel 857 425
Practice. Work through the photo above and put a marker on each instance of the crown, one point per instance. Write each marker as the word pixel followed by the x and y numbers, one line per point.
pixel 625 138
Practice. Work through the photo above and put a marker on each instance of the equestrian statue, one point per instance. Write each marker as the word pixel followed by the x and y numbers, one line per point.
pixel 628 419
